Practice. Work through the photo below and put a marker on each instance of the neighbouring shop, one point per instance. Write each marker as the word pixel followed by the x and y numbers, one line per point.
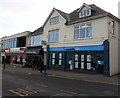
pixel 93 59
pixel 15 55
pixel 32 53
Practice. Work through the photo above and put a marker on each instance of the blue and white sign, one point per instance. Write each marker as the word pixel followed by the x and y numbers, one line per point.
pixel 82 48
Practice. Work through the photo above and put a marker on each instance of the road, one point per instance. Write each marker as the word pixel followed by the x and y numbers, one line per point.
pixel 26 84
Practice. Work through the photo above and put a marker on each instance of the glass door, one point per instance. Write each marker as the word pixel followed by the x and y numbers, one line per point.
pixel 100 63
pixel 70 61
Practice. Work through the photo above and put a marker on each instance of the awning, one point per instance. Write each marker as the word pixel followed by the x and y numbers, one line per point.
pixel 33 51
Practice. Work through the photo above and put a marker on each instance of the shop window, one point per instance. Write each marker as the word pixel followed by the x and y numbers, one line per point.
pixel 76 61
pixel 53 58
pixel 60 58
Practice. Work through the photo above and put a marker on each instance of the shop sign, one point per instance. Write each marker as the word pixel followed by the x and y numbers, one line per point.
pixel 32 51
pixel 17 50
pixel 7 50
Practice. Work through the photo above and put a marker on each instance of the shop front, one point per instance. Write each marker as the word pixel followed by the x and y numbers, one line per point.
pixel 32 53
pixel 82 59
pixel 15 55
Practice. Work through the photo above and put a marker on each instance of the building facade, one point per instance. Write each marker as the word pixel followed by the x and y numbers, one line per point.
pixel 85 40
pixel 34 48
pixel 14 47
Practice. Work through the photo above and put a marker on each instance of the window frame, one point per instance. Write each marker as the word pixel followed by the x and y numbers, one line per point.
pixel 85 25
pixel 54 20
pixel 113 27
pixel 84 13
pixel 54 34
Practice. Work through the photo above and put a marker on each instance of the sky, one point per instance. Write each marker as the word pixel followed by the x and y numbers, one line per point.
pixel 17 16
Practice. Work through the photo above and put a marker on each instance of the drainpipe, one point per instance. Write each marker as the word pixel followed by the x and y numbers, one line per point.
pixel 47 56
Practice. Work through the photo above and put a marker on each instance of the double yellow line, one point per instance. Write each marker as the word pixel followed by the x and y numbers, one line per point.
pixel 24 91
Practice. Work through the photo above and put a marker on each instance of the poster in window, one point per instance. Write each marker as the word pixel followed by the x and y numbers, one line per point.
pixel 71 66
pixel 76 57
pixel 53 61
pixel 60 55
pixel 88 66
pixel 82 65
pixel 18 60
pixel 70 62
pixel 76 64
pixel 60 62
pixel 89 58
pixel 82 57
pixel 53 55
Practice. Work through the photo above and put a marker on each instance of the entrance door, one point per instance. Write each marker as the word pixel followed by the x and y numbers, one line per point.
pixel 100 63
pixel 69 61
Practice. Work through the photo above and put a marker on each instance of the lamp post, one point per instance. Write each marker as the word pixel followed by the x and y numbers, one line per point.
pixel 47 52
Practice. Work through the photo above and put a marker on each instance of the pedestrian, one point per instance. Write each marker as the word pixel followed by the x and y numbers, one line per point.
pixel 42 66
pixel 3 63
pixel 33 63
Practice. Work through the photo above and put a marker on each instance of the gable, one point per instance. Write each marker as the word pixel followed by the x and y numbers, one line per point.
pixel 55 13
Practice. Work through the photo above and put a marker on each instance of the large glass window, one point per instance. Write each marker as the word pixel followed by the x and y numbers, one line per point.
pixel 54 20
pixel 83 31
pixel 35 40
pixel 53 36
pixel 11 43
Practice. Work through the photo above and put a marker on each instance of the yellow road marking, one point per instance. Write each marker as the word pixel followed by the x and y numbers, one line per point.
pixel 28 91
pixel 19 93
pixel 24 91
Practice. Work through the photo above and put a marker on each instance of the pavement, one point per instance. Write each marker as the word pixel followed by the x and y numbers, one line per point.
pixel 66 74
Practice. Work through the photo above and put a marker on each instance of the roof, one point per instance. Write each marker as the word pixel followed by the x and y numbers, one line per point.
pixel 74 16
pixel 64 15
pixel 37 32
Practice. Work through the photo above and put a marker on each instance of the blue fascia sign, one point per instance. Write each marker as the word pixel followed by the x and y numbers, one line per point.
pixel 81 48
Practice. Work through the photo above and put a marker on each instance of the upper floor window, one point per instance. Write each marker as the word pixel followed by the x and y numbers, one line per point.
pixel 83 31
pixel 54 20
pixel 84 13
pixel 11 43
pixel 35 40
pixel 113 27
pixel 53 36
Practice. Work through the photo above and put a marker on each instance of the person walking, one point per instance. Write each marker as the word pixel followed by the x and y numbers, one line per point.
pixel 3 63
pixel 33 63
pixel 42 66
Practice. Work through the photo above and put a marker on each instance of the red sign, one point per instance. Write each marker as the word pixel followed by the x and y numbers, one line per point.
pixel 7 50
pixel 22 49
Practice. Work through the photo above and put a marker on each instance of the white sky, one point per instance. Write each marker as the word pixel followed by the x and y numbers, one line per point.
pixel 17 16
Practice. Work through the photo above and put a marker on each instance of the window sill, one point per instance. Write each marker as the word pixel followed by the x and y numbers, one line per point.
pixel 114 36
pixel 55 23
pixel 83 39
pixel 52 42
